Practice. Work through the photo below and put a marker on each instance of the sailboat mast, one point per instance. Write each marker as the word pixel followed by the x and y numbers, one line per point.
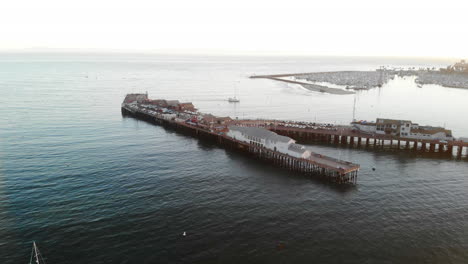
pixel 235 89
pixel 354 109
pixel 35 251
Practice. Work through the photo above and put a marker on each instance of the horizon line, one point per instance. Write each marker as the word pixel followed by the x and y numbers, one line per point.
pixel 215 52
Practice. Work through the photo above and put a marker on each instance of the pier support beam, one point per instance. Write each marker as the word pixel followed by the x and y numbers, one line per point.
pixel 459 152
pixel 450 149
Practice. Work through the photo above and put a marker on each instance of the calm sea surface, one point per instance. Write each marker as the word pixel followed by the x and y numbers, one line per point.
pixel 91 186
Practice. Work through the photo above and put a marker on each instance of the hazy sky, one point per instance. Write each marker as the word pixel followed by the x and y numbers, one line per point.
pixel 327 27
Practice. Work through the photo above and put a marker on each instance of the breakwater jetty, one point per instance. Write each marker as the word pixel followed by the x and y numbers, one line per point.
pixel 348 80
pixel 310 86
pixel 258 142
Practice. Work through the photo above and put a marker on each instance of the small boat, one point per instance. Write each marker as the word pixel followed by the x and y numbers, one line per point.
pixel 36 255
pixel 234 99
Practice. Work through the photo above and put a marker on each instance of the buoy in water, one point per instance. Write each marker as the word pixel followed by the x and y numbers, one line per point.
pixel 184 234
pixel 373 169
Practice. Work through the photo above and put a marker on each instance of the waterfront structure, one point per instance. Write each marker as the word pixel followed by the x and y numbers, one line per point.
pixel 263 144
pixel 403 128
pixel 134 98
pixel 392 126
pixel 351 136
pixel 210 119
pixel 411 136
pixel 270 140
pixel 186 107
pixel 459 67
pixel 156 102
pixel 161 103
pixel 299 151
pixel 261 137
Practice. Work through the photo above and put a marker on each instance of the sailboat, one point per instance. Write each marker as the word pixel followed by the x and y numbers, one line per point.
pixel 234 99
pixel 36 255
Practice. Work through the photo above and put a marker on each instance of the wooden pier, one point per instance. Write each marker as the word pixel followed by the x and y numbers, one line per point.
pixel 330 169
pixel 350 137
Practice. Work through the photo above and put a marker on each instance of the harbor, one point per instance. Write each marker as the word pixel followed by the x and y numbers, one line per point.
pixel 343 82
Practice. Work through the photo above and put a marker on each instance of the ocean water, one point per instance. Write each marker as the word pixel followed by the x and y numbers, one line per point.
pixel 91 186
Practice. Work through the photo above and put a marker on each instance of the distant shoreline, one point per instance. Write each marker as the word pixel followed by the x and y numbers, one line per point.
pixel 364 80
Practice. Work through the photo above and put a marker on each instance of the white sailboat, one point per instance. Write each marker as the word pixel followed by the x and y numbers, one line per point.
pixel 36 255
pixel 234 99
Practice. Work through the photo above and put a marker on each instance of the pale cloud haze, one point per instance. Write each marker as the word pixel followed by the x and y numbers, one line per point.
pixel 362 28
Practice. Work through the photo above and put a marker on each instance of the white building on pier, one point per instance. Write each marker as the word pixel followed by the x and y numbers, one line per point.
pixel 270 140
pixel 403 128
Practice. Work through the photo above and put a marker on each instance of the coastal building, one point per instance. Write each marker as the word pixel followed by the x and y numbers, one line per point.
pixel 157 102
pixel 392 126
pixel 403 128
pixel 186 107
pixel 172 104
pixel 268 139
pixel 298 151
pixel 428 132
pixel 459 67
pixel 135 98
pixel 365 126
pixel 210 119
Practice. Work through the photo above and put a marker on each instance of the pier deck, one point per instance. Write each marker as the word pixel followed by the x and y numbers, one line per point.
pixel 348 136
pixel 331 169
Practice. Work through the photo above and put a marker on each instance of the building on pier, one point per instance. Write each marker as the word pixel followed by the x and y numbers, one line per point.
pixel 170 104
pixel 299 151
pixel 268 139
pixel 135 98
pixel 428 132
pixel 186 107
pixel 392 126
pixel 210 119
pixel 402 128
